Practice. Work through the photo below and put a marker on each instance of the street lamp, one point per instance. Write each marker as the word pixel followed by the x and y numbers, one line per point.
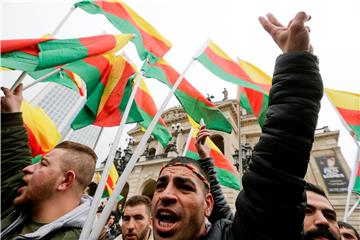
pixel 246 156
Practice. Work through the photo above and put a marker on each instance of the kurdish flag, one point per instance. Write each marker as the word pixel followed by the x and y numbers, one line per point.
pixel 148 41
pixel 45 53
pixel 148 110
pixel 110 181
pixel 107 98
pixel 220 64
pixel 193 102
pixel 226 173
pixel 348 106
pixel 253 101
pixel 64 77
pixel 42 131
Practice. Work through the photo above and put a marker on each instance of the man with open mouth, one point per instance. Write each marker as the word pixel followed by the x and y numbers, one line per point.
pixel 272 202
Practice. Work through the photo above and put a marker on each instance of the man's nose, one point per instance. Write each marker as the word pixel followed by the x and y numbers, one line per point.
pixel 321 220
pixel 131 224
pixel 168 196
pixel 29 169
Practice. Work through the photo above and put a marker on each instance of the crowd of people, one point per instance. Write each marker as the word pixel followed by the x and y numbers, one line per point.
pixel 46 201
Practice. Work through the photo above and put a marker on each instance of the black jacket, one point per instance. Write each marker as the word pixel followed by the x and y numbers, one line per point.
pixel 272 202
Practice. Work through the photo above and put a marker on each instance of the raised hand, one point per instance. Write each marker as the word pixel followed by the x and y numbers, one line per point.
pixel 200 145
pixel 293 38
pixel 11 101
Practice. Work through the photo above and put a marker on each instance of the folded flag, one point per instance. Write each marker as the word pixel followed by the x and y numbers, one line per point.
pixel 193 102
pixel 45 53
pixel 226 172
pixel 150 44
pixel 347 105
pixel 357 181
pixel 42 131
pixel 255 102
pixel 107 97
pixel 148 110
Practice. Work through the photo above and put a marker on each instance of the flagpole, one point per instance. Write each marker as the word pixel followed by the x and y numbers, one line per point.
pixel 239 138
pixel 354 207
pixel 138 151
pixel 91 215
pixel 351 183
pixel 42 78
pixel 188 141
pixel 98 138
pixel 23 74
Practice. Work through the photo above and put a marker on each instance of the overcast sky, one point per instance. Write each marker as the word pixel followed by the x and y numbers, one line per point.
pixel 233 25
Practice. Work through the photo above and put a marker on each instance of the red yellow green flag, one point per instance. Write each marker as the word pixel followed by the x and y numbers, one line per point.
pixel 110 182
pixel 226 172
pixel 193 102
pixel 348 106
pixel 357 181
pixel 220 64
pixel 46 53
pixel 253 101
pixel 150 44
pixel 148 110
pixel 42 131
pixel 107 98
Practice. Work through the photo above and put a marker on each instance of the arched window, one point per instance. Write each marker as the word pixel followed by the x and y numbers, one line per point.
pixel 218 141
pixel 149 188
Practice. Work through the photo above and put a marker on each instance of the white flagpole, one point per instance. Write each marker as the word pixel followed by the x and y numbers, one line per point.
pixel 23 74
pixel 91 215
pixel 354 207
pixel 139 150
pixel 42 78
pixel 351 183
pixel 188 141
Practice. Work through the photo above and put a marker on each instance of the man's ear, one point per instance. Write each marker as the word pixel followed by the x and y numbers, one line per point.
pixel 209 204
pixel 67 181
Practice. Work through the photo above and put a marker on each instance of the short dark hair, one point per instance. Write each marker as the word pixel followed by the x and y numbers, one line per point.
pixel 187 162
pixel 348 226
pixel 316 189
pixel 138 200
pixel 79 158
pixel 92 189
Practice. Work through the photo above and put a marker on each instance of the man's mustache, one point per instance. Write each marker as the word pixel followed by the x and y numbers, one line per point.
pixel 320 232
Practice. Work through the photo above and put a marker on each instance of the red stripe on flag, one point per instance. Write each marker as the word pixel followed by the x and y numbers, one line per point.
pixel 33 143
pixel 229 67
pixel 97 44
pixel 158 47
pixel 184 86
pixel 352 117
pixel 20 44
pixel 145 101
pixel 221 162
pixel 256 100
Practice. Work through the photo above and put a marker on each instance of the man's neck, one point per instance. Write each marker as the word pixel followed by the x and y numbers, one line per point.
pixel 52 209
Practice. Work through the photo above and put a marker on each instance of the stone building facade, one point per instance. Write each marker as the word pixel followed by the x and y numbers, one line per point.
pixel 143 177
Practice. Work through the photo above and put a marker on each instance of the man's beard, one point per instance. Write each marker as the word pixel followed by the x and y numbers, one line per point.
pixel 143 234
pixel 320 232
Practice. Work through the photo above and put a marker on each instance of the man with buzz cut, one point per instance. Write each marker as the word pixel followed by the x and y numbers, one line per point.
pixel 43 200
pixel 271 204
pixel 137 220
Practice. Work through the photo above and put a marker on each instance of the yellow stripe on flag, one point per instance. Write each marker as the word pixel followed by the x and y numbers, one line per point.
pixel 219 51
pixel 121 41
pixel 255 73
pixel 345 100
pixel 116 72
pixel 41 125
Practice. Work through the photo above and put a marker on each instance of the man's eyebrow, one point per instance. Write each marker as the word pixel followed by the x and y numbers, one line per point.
pixel 163 178
pixel 183 180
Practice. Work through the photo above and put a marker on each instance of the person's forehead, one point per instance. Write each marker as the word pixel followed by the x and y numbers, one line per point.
pixel 318 201
pixel 55 155
pixel 139 209
pixel 180 171
pixel 344 230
